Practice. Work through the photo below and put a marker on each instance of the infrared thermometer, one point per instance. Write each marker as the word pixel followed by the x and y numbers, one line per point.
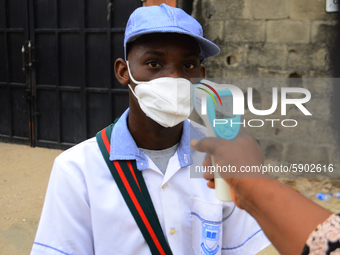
pixel 214 104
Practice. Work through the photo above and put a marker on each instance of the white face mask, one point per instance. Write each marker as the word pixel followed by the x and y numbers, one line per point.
pixel 165 100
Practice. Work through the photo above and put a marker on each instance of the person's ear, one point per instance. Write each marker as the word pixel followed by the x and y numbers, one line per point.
pixel 203 71
pixel 121 71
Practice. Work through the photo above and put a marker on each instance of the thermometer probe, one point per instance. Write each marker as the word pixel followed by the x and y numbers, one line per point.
pixel 216 110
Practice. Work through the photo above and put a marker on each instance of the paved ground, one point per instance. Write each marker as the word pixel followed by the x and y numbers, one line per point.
pixel 24 174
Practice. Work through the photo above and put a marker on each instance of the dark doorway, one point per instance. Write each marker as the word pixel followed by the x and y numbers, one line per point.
pixel 57 86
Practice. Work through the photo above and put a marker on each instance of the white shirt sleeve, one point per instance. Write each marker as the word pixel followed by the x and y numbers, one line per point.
pixel 65 223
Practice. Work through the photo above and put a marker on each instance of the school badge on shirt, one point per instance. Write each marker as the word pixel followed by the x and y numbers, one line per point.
pixel 211 237
pixel 206 227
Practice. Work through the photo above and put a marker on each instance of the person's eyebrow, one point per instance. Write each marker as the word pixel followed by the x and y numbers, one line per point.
pixel 161 53
pixel 190 54
pixel 154 52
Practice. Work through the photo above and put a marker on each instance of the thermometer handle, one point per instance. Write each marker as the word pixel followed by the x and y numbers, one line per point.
pixel 222 189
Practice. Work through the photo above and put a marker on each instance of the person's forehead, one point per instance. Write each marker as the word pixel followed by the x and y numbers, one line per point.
pixel 165 42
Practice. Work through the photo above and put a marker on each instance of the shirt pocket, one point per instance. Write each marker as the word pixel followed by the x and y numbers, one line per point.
pixel 206 228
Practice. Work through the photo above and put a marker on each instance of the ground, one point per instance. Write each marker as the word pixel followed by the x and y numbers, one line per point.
pixel 24 174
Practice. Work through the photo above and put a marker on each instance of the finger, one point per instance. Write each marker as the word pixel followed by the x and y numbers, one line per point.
pixel 207 160
pixel 211 184
pixel 207 144
pixel 208 176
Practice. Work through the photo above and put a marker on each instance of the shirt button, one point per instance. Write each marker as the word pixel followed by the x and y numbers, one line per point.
pixel 172 231
pixel 185 158
pixel 164 185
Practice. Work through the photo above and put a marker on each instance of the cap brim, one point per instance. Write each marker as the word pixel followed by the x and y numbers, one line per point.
pixel 208 48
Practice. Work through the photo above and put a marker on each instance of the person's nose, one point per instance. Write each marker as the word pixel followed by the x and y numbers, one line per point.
pixel 175 72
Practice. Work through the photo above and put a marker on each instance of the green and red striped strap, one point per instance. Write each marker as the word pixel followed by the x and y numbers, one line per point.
pixel 135 193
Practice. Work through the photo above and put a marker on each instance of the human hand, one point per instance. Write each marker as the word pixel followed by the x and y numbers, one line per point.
pixel 284 215
pixel 240 152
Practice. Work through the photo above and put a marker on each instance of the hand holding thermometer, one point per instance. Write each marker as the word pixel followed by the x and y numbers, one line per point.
pixel 216 110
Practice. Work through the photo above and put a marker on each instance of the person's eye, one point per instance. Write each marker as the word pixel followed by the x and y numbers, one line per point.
pixel 189 66
pixel 154 64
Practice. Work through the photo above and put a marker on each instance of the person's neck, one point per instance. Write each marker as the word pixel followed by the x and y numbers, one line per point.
pixel 150 135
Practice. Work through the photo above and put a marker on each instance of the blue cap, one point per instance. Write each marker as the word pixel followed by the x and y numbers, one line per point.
pixel 167 19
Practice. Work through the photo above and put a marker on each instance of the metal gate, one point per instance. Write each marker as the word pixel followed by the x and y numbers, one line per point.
pixel 57 85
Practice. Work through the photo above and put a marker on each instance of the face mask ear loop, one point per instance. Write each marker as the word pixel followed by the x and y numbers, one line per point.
pixel 132 91
pixel 127 63
pixel 136 82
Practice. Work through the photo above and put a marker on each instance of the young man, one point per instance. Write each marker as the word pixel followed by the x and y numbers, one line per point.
pixel 84 211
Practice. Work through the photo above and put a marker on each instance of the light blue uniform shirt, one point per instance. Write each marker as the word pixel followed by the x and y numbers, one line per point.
pixel 125 147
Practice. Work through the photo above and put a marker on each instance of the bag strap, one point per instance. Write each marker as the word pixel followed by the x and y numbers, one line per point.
pixel 135 193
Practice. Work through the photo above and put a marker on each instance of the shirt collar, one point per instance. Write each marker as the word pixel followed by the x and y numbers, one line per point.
pixel 125 147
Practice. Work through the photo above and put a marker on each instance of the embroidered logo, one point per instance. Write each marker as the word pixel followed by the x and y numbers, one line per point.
pixel 210 237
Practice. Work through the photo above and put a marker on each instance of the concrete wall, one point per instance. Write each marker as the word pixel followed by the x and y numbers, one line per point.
pixel 276 39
